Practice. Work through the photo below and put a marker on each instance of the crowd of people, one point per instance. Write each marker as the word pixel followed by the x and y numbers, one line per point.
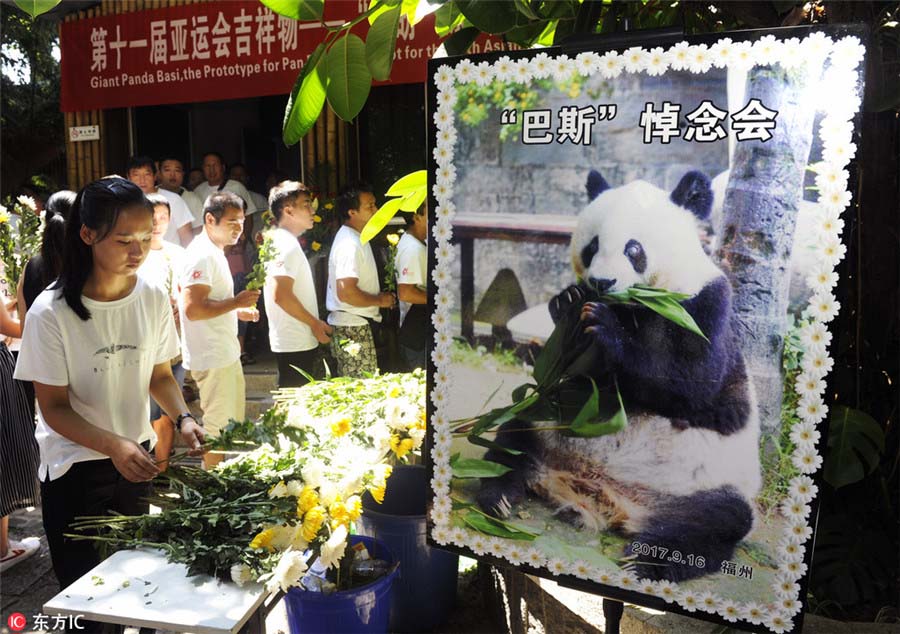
pixel 140 284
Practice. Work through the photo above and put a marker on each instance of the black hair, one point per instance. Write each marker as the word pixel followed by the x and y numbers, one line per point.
pixel 170 157
pixel 136 162
pixel 411 217
pixel 283 193
pixel 233 165
pixel 348 199
pixel 217 203
pixel 159 200
pixel 217 155
pixel 96 207
pixel 55 213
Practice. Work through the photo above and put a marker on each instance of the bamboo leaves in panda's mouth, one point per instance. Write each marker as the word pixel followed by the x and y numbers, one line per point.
pixel 665 303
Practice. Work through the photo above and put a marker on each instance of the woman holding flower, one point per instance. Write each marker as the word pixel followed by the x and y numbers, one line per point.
pixel 97 344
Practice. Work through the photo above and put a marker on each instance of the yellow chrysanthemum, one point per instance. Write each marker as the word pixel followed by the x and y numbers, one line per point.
pixel 317 218
pixel 339 514
pixel 307 499
pixel 312 522
pixel 4 215
pixel 378 493
pixel 340 427
pixel 263 540
pixel 354 507
pixel 316 246
pixel 393 238
pixel 329 205
pixel 395 392
pixel 401 447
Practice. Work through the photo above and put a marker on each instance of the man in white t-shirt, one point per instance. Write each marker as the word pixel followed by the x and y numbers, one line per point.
pixel 295 330
pixel 171 178
pixel 214 171
pixel 354 294
pixel 142 172
pixel 210 312
pixel 412 276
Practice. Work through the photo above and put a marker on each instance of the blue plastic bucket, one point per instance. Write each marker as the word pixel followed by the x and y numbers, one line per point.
pixel 362 610
pixel 426 590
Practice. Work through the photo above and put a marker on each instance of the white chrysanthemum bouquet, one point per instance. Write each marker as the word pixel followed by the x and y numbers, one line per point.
pixel 20 239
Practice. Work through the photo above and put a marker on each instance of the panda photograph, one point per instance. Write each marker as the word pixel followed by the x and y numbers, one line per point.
pixel 634 255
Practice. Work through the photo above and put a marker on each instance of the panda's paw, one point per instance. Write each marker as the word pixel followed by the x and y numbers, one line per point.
pixel 561 304
pixel 496 501
pixel 599 321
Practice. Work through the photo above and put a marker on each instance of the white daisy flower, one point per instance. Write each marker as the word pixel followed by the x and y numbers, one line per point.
pixel 627 580
pixel 649 588
pixel 587 63
pixel 835 199
pixel 809 385
pixel 806 433
pixel 606 577
pixel 795 510
pixel 441 480
pixel 611 64
pixel 801 532
pixel 446 174
pixel 791 55
pixel 830 223
pixel 635 59
pixel 516 554
pixel 443 117
pixel 541 66
pixel 484 74
pixel 288 572
pixel 442 231
pixel 534 558
pixel 793 569
pixel 803 488
pixel 847 52
pixel 497 547
pixel 445 210
pixel 443 299
pixel 807 460
pixel 441 190
pixel 688 600
pixel 441 534
pixel 447 136
pixel 823 307
pixel 708 602
pixel 441 275
pixel 830 178
pixel 822 280
pixel 789 606
pixel 786 589
pixel 557 566
pixel 458 535
pixel 752 612
pixel 722 52
pixel 791 551
pixel 241 574
pixel 444 77
pixel 817 46
pixel 815 336
pixel 767 50
pixel 657 61
pixel 503 69
pixel 465 71
pixel 742 56
pixel 522 71
pixel 561 69
pixel 479 544
pixel 439 516
pixel 839 152
pixel 446 98
pixel 679 56
pixel 730 610
pixel 443 503
pixel 581 569
pixel 441 470
pixel 818 362
pixel 440 318
pixel 443 154
pixel 835 130
pixel 700 59
pixel 667 590
pixel 778 623
pixel 844 106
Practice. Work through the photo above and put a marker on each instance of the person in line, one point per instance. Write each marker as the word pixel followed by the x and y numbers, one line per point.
pixel 214 172
pixel 97 343
pixel 354 294
pixel 142 172
pixel 412 277
pixel 171 178
pixel 295 330
pixel 210 312
pixel 162 268
pixel 195 177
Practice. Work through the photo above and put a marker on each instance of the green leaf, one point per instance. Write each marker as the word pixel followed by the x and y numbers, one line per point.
pixel 554 547
pixel 34 8
pixel 490 444
pixel 526 35
pixel 306 10
pixel 413 200
pixel 383 6
pixel 477 468
pixel 589 424
pixel 379 221
pixel 409 183
pixel 490 16
pixel 673 311
pixel 408 8
pixel 855 446
pixel 491 527
pixel 447 18
pixel 459 42
pixel 381 42
pixel 306 100
pixel 349 80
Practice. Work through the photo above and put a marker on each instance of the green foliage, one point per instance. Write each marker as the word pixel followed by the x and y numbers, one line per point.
pixel 306 100
pixel 34 8
pixel 348 74
pixel 855 446
pixel 19 244
pixel 492 526
pixel 410 191
pixel 297 9
pixel 257 278
pixel 476 468
pixel 381 42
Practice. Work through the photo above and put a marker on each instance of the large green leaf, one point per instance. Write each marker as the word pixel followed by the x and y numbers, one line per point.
pixel 491 16
pixel 589 422
pixel 34 8
pixel 671 310
pixel 349 80
pixel 306 100
pixel 306 10
pixel 855 446
pixel 378 222
pixel 381 42
pixel 477 468
pixel 383 6
pixel 413 200
pixel 459 42
pixel 447 18
pixel 409 183
pixel 490 444
pixel 493 527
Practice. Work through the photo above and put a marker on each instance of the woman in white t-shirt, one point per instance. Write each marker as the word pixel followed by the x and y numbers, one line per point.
pixel 96 344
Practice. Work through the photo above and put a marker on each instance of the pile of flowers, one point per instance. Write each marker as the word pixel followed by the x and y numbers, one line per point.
pixel 292 491
pixel 20 239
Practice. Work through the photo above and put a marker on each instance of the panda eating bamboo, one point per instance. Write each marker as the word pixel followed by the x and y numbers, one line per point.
pixel 682 475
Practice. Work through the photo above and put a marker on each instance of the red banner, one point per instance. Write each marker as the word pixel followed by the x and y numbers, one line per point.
pixel 211 51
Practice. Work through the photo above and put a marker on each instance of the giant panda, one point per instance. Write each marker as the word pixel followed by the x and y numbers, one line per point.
pixel 683 473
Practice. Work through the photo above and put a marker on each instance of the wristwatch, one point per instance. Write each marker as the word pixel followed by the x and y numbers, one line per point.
pixel 181 418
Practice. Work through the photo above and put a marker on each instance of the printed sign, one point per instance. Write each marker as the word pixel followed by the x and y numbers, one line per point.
pixel 84 133
pixel 634 268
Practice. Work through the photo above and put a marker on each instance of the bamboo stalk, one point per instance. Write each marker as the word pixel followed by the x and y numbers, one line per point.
pixel 97 148
pixel 342 153
pixel 101 121
pixel 71 168
pixel 321 158
pixel 79 156
pixel 333 150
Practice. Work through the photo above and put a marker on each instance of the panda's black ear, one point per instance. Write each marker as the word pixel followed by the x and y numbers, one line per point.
pixel 694 193
pixel 596 185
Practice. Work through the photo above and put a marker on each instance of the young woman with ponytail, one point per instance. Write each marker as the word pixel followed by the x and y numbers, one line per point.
pixel 96 344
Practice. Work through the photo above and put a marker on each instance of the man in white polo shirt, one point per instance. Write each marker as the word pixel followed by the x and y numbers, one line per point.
pixel 295 330
pixel 171 178
pixel 210 312
pixel 412 276
pixel 141 171
pixel 214 171
pixel 354 294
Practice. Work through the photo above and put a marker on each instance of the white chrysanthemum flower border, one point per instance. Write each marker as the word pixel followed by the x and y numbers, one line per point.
pixel 845 56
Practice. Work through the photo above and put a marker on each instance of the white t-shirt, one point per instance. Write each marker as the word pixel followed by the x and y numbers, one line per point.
pixel 163 267
pixel 259 201
pixel 287 334
pixel 180 215
pixel 349 257
pixel 106 362
pixel 195 205
pixel 207 344
pixel 204 190
pixel 412 266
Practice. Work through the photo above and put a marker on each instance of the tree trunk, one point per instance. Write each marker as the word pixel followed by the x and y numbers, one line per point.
pixel 764 191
